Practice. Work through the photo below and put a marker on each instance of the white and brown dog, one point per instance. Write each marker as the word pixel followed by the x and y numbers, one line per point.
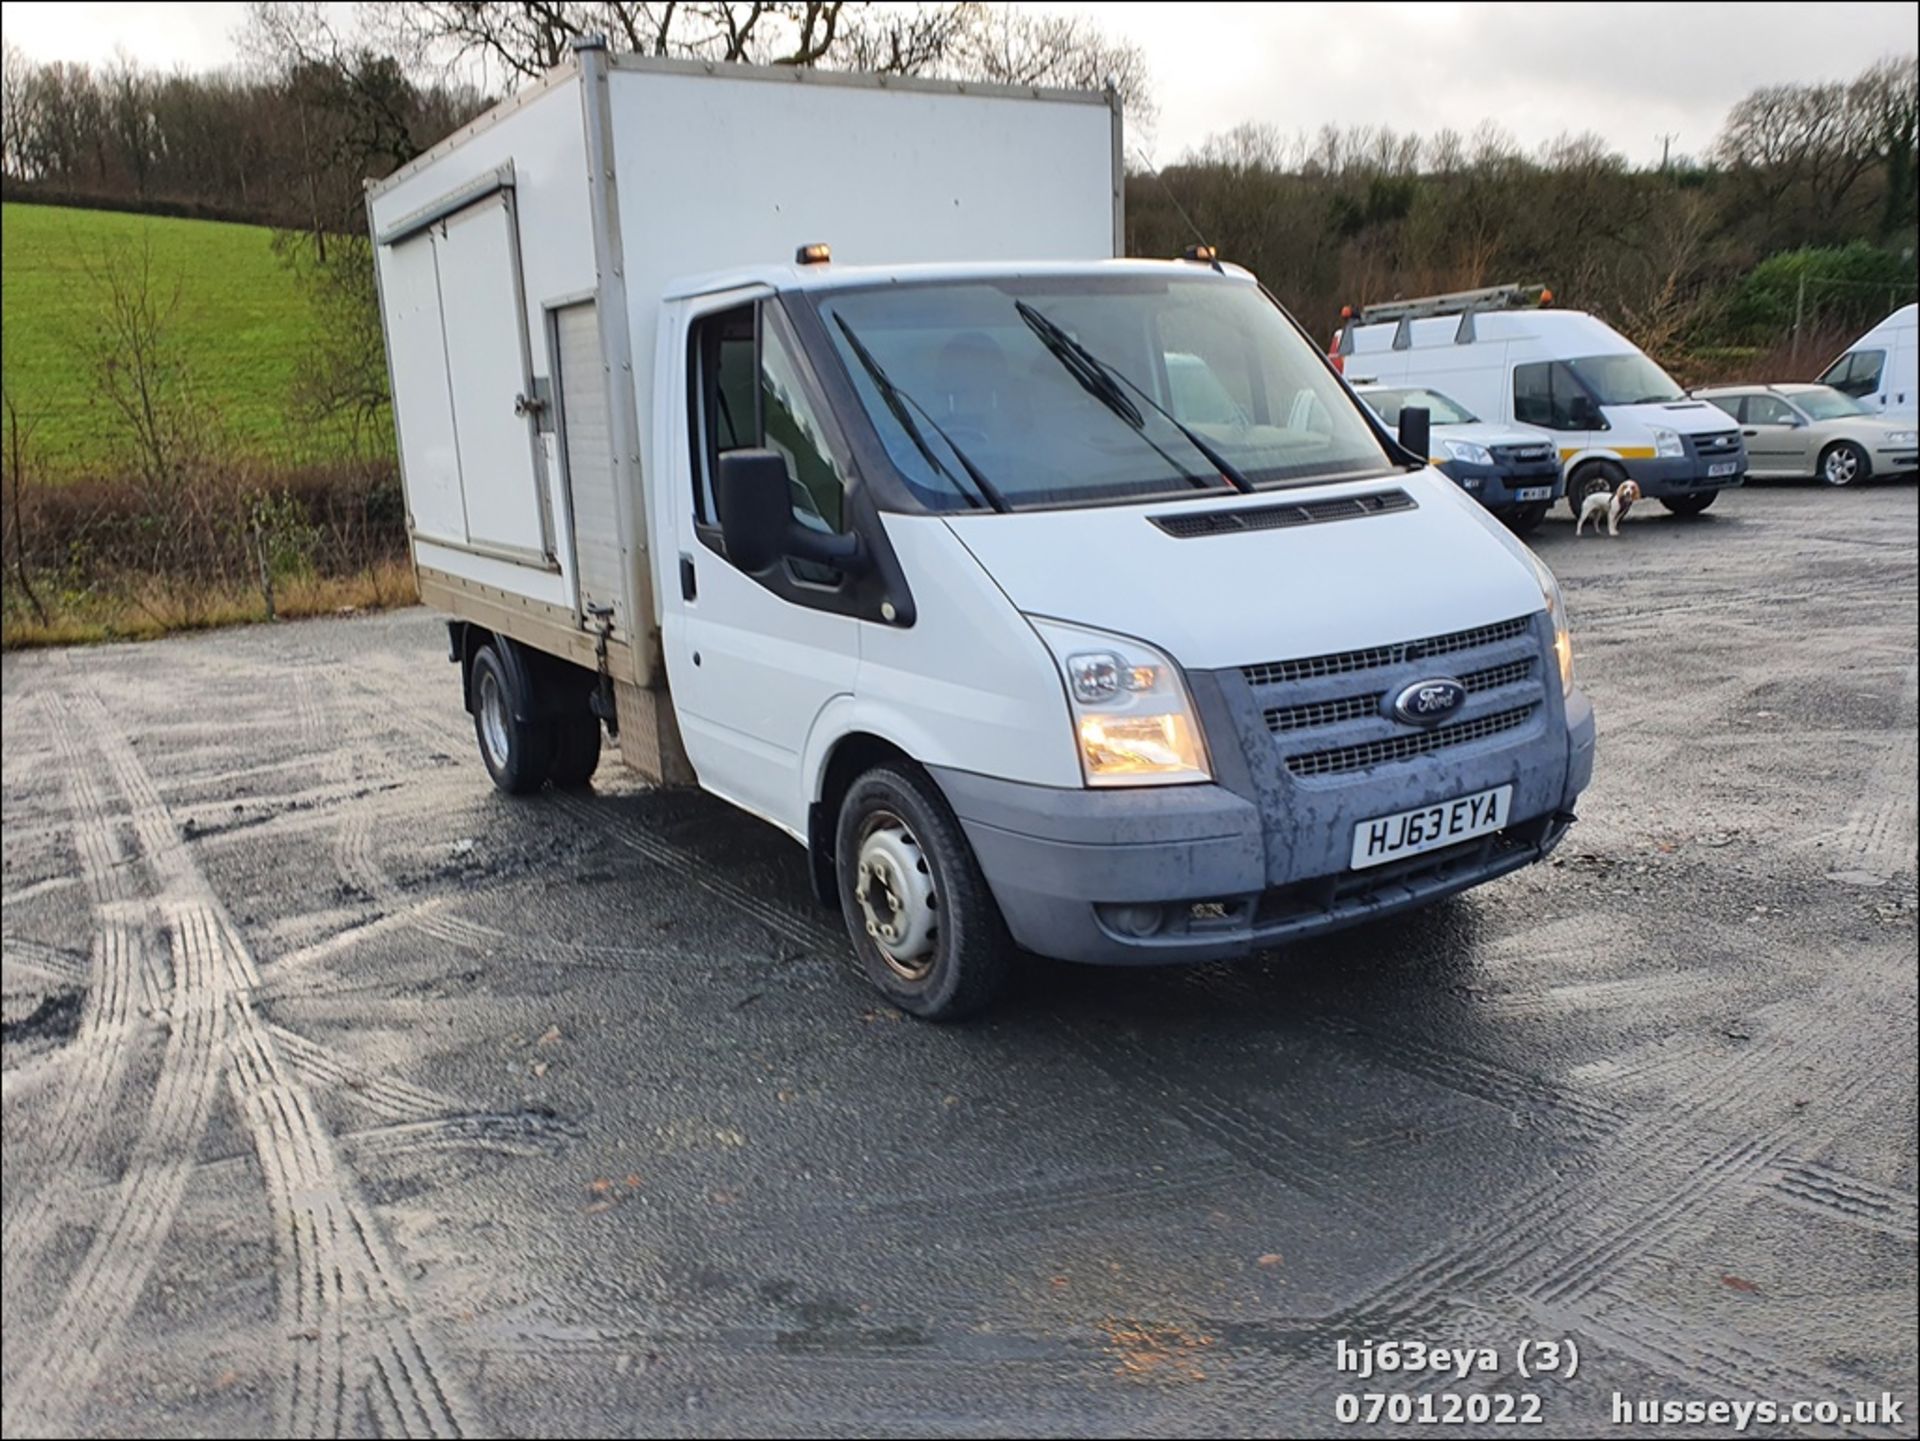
pixel 1613 504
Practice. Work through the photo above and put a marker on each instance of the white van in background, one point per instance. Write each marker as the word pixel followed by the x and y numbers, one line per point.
pixel 1614 414
pixel 1878 370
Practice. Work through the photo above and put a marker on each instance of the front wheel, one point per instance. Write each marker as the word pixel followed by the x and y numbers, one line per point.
pixel 1688 504
pixel 1842 463
pixel 925 926
pixel 1525 519
pixel 1602 475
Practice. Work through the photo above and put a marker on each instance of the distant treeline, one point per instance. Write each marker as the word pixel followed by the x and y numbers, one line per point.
pixel 1819 177
pixel 287 148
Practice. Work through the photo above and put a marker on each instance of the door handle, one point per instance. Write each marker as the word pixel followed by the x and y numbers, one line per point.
pixel 1749 432
pixel 689 583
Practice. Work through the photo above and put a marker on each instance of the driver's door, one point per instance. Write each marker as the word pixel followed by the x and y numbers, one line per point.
pixel 1547 394
pixel 753 659
pixel 1776 438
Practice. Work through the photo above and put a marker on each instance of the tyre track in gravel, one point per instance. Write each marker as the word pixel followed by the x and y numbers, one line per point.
pixel 1880 830
pixel 1846 1200
pixel 1554 1245
pixel 76 1343
pixel 48 961
pixel 110 1031
pixel 351 1319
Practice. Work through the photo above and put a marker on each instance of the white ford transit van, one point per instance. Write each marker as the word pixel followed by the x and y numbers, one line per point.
pixel 1878 369
pixel 1613 412
pixel 1049 600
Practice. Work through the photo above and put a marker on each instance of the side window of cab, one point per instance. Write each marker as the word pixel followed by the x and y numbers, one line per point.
pixel 750 388
pixel 1546 393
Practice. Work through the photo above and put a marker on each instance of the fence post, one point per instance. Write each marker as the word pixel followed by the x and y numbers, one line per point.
pixel 1799 305
pixel 266 571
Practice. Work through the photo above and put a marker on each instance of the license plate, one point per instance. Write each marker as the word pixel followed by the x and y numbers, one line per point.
pixel 1725 467
pixel 1534 492
pixel 1428 828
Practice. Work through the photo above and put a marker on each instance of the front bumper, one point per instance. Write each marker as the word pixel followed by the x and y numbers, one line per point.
pixel 1684 475
pixel 1497 486
pixel 1153 876
pixel 1897 461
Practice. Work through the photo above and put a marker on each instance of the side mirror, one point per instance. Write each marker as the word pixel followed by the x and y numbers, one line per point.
pixel 754 511
pixel 1584 413
pixel 756 518
pixel 1416 430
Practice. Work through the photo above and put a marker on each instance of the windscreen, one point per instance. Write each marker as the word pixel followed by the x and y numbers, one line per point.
pixel 1441 409
pixel 1827 404
pixel 1628 378
pixel 1082 389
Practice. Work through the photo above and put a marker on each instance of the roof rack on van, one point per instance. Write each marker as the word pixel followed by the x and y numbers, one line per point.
pixel 1458 302
pixel 1463 303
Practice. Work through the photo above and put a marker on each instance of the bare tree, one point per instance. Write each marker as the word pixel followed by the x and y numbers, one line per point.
pixel 21 459
pixel 1886 104
pixel 19 111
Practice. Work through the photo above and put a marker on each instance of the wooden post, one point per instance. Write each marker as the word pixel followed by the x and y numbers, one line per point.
pixel 266 571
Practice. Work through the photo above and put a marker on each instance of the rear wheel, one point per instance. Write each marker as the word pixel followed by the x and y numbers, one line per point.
pixel 576 750
pixel 518 754
pixel 1689 504
pixel 1525 519
pixel 1601 475
pixel 1843 463
pixel 925 926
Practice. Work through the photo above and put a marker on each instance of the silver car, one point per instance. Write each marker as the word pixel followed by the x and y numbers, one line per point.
pixel 1794 431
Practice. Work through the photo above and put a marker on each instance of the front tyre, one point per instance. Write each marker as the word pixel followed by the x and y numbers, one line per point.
pixel 1843 463
pixel 1525 519
pixel 1689 504
pixel 518 753
pixel 926 928
pixel 1601 475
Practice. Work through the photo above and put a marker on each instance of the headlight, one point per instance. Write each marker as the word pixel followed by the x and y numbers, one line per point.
pixel 1666 442
pixel 1556 613
pixel 1134 724
pixel 1467 451
pixel 1901 437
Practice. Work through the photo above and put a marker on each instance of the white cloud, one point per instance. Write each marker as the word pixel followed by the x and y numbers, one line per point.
pixel 1631 72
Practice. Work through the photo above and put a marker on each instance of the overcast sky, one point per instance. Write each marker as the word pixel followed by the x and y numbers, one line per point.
pixel 1633 73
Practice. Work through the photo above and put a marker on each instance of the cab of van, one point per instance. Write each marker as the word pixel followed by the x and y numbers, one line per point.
pixel 1878 369
pixel 1613 413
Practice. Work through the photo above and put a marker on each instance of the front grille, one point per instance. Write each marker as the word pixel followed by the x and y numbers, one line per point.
pixel 1377 657
pixel 1186 525
pixel 1343 759
pixel 1495 676
pixel 1332 712
pixel 1524 454
pixel 1721 443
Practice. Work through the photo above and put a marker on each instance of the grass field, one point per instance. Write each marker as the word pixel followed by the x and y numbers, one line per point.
pixel 241 318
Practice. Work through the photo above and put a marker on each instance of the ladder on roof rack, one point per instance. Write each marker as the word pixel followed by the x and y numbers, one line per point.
pixel 1464 303
pixel 1458 302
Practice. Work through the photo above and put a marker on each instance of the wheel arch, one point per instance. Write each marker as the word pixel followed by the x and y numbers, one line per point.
pixel 845 759
pixel 543 685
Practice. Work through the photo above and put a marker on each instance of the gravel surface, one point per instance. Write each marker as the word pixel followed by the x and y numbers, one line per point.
pixel 344 1095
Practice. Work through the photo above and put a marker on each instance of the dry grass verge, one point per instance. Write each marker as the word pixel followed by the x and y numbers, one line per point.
pixel 144 609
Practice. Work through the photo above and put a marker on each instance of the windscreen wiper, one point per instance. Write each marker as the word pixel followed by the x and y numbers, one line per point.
pixel 898 401
pixel 1104 383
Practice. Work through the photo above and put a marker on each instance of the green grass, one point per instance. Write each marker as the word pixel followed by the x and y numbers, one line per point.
pixel 242 319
